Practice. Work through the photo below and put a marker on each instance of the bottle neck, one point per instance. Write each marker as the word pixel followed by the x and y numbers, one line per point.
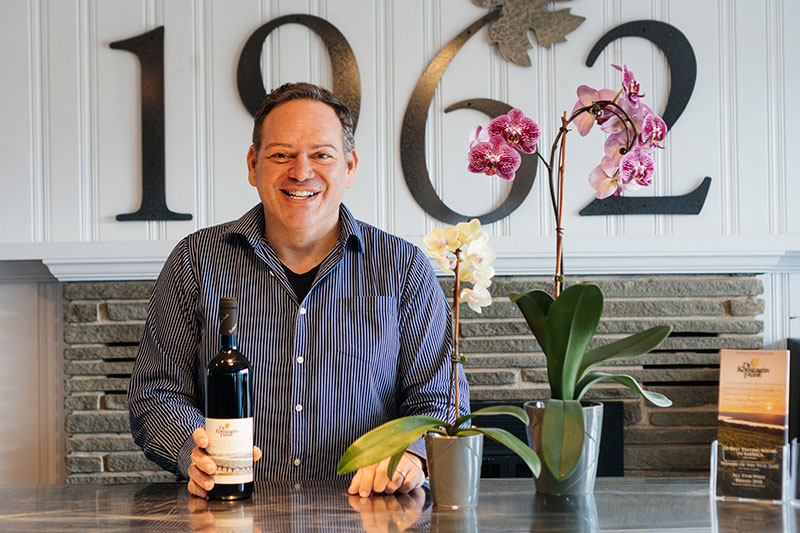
pixel 228 342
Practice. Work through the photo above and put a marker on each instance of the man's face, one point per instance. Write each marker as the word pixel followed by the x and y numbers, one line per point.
pixel 301 170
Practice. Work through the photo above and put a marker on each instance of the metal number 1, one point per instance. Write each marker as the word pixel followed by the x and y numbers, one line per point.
pixel 149 48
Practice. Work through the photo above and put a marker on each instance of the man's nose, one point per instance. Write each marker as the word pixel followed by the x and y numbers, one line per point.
pixel 302 169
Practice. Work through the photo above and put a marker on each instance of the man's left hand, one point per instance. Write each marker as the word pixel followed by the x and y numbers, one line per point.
pixel 374 479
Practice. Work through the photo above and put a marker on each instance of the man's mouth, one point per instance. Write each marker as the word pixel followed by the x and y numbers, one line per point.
pixel 299 194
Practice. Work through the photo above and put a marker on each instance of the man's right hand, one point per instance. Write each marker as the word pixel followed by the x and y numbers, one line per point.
pixel 203 466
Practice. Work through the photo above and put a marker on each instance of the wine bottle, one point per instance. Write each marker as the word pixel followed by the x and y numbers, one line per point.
pixel 229 411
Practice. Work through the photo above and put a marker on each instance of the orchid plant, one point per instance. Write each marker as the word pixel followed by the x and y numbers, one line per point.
pixel 463 251
pixel 565 323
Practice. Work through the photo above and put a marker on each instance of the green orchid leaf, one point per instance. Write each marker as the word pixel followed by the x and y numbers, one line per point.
pixel 393 463
pixel 511 410
pixel 465 432
pixel 386 440
pixel 632 346
pixel 571 324
pixel 534 306
pixel 654 397
pixel 562 437
pixel 515 445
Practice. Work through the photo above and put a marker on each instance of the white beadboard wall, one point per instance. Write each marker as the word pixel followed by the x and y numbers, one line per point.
pixel 70 144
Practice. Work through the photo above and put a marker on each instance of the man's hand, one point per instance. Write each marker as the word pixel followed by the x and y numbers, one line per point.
pixel 373 478
pixel 203 466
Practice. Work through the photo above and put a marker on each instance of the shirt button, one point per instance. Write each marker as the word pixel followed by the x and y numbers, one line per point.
pixel 300 359
pixel 298 407
pixel 296 462
pixel 302 310
pixel 271 273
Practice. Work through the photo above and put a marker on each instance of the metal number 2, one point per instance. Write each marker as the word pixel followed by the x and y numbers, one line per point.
pixel 683 74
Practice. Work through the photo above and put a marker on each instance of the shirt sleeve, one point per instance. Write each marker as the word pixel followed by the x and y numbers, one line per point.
pixel 425 345
pixel 163 399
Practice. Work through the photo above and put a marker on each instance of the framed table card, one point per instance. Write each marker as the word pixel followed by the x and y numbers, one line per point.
pixel 751 459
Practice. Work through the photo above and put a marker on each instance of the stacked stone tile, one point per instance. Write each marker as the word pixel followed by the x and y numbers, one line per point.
pixel 104 324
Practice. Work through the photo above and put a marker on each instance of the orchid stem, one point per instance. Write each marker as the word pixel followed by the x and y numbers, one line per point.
pixel 454 357
pixel 559 276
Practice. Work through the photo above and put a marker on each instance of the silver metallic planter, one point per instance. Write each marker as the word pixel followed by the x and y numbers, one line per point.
pixel 454 466
pixel 582 480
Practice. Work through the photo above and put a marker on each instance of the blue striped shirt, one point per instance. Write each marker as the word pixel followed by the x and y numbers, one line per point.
pixel 370 342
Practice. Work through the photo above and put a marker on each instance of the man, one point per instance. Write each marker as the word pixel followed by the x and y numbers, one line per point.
pixel 345 326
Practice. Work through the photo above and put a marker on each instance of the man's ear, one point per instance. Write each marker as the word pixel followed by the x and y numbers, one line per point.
pixel 251 165
pixel 352 164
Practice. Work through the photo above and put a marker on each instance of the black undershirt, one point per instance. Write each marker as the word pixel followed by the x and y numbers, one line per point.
pixel 301 283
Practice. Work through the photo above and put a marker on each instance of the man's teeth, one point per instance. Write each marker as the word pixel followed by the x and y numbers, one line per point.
pixel 300 194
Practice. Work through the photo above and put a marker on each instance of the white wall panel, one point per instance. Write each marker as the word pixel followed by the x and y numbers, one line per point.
pixel 409 59
pixel 62 159
pixel 231 124
pixel 19 169
pixel 787 156
pixel 751 119
pixel 71 148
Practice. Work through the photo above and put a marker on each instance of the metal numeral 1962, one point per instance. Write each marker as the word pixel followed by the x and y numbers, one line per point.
pixel 149 49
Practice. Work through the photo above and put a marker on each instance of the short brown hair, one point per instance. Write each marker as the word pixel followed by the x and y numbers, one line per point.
pixel 305 91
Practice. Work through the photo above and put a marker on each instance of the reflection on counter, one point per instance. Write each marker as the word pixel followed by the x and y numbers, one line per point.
pixel 734 516
pixel 618 504
pixel 573 514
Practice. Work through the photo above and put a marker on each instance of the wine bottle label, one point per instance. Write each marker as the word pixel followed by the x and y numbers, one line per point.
pixel 231 448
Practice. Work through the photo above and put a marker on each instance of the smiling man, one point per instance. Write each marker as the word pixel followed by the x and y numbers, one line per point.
pixel 344 325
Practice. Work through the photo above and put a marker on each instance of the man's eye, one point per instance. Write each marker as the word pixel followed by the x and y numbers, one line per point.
pixel 324 156
pixel 278 156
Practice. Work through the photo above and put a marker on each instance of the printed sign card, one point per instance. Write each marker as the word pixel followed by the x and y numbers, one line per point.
pixel 753 420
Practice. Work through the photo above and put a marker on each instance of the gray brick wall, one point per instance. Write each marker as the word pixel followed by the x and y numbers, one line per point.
pixel 104 324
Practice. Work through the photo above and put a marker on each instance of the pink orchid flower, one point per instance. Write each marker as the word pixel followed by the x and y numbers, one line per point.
pixel 494 157
pixel 518 130
pixel 478 135
pixel 654 129
pixel 630 87
pixel 636 168
pixel 586 97
pixel 605 179
pixel 614 146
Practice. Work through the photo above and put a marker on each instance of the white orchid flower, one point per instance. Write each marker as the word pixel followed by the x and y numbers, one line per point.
pixel 476 297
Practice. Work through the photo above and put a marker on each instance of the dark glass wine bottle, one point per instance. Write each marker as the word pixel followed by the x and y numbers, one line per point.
pixel 229 411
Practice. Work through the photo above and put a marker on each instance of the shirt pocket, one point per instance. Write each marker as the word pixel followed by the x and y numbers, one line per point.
pixel 369 328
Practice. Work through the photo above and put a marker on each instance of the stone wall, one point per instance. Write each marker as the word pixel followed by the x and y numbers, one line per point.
pixel 104 324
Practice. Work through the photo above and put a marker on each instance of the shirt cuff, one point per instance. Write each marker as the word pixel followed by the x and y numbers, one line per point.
pixel 185 459
pixel 418 448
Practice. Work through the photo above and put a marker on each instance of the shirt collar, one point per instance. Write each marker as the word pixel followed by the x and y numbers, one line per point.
pixel 251 226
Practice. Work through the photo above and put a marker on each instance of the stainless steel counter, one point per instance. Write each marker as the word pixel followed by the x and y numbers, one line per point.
pixel 618 504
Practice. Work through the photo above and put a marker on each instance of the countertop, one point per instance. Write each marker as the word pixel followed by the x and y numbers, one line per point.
pixel 618 504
